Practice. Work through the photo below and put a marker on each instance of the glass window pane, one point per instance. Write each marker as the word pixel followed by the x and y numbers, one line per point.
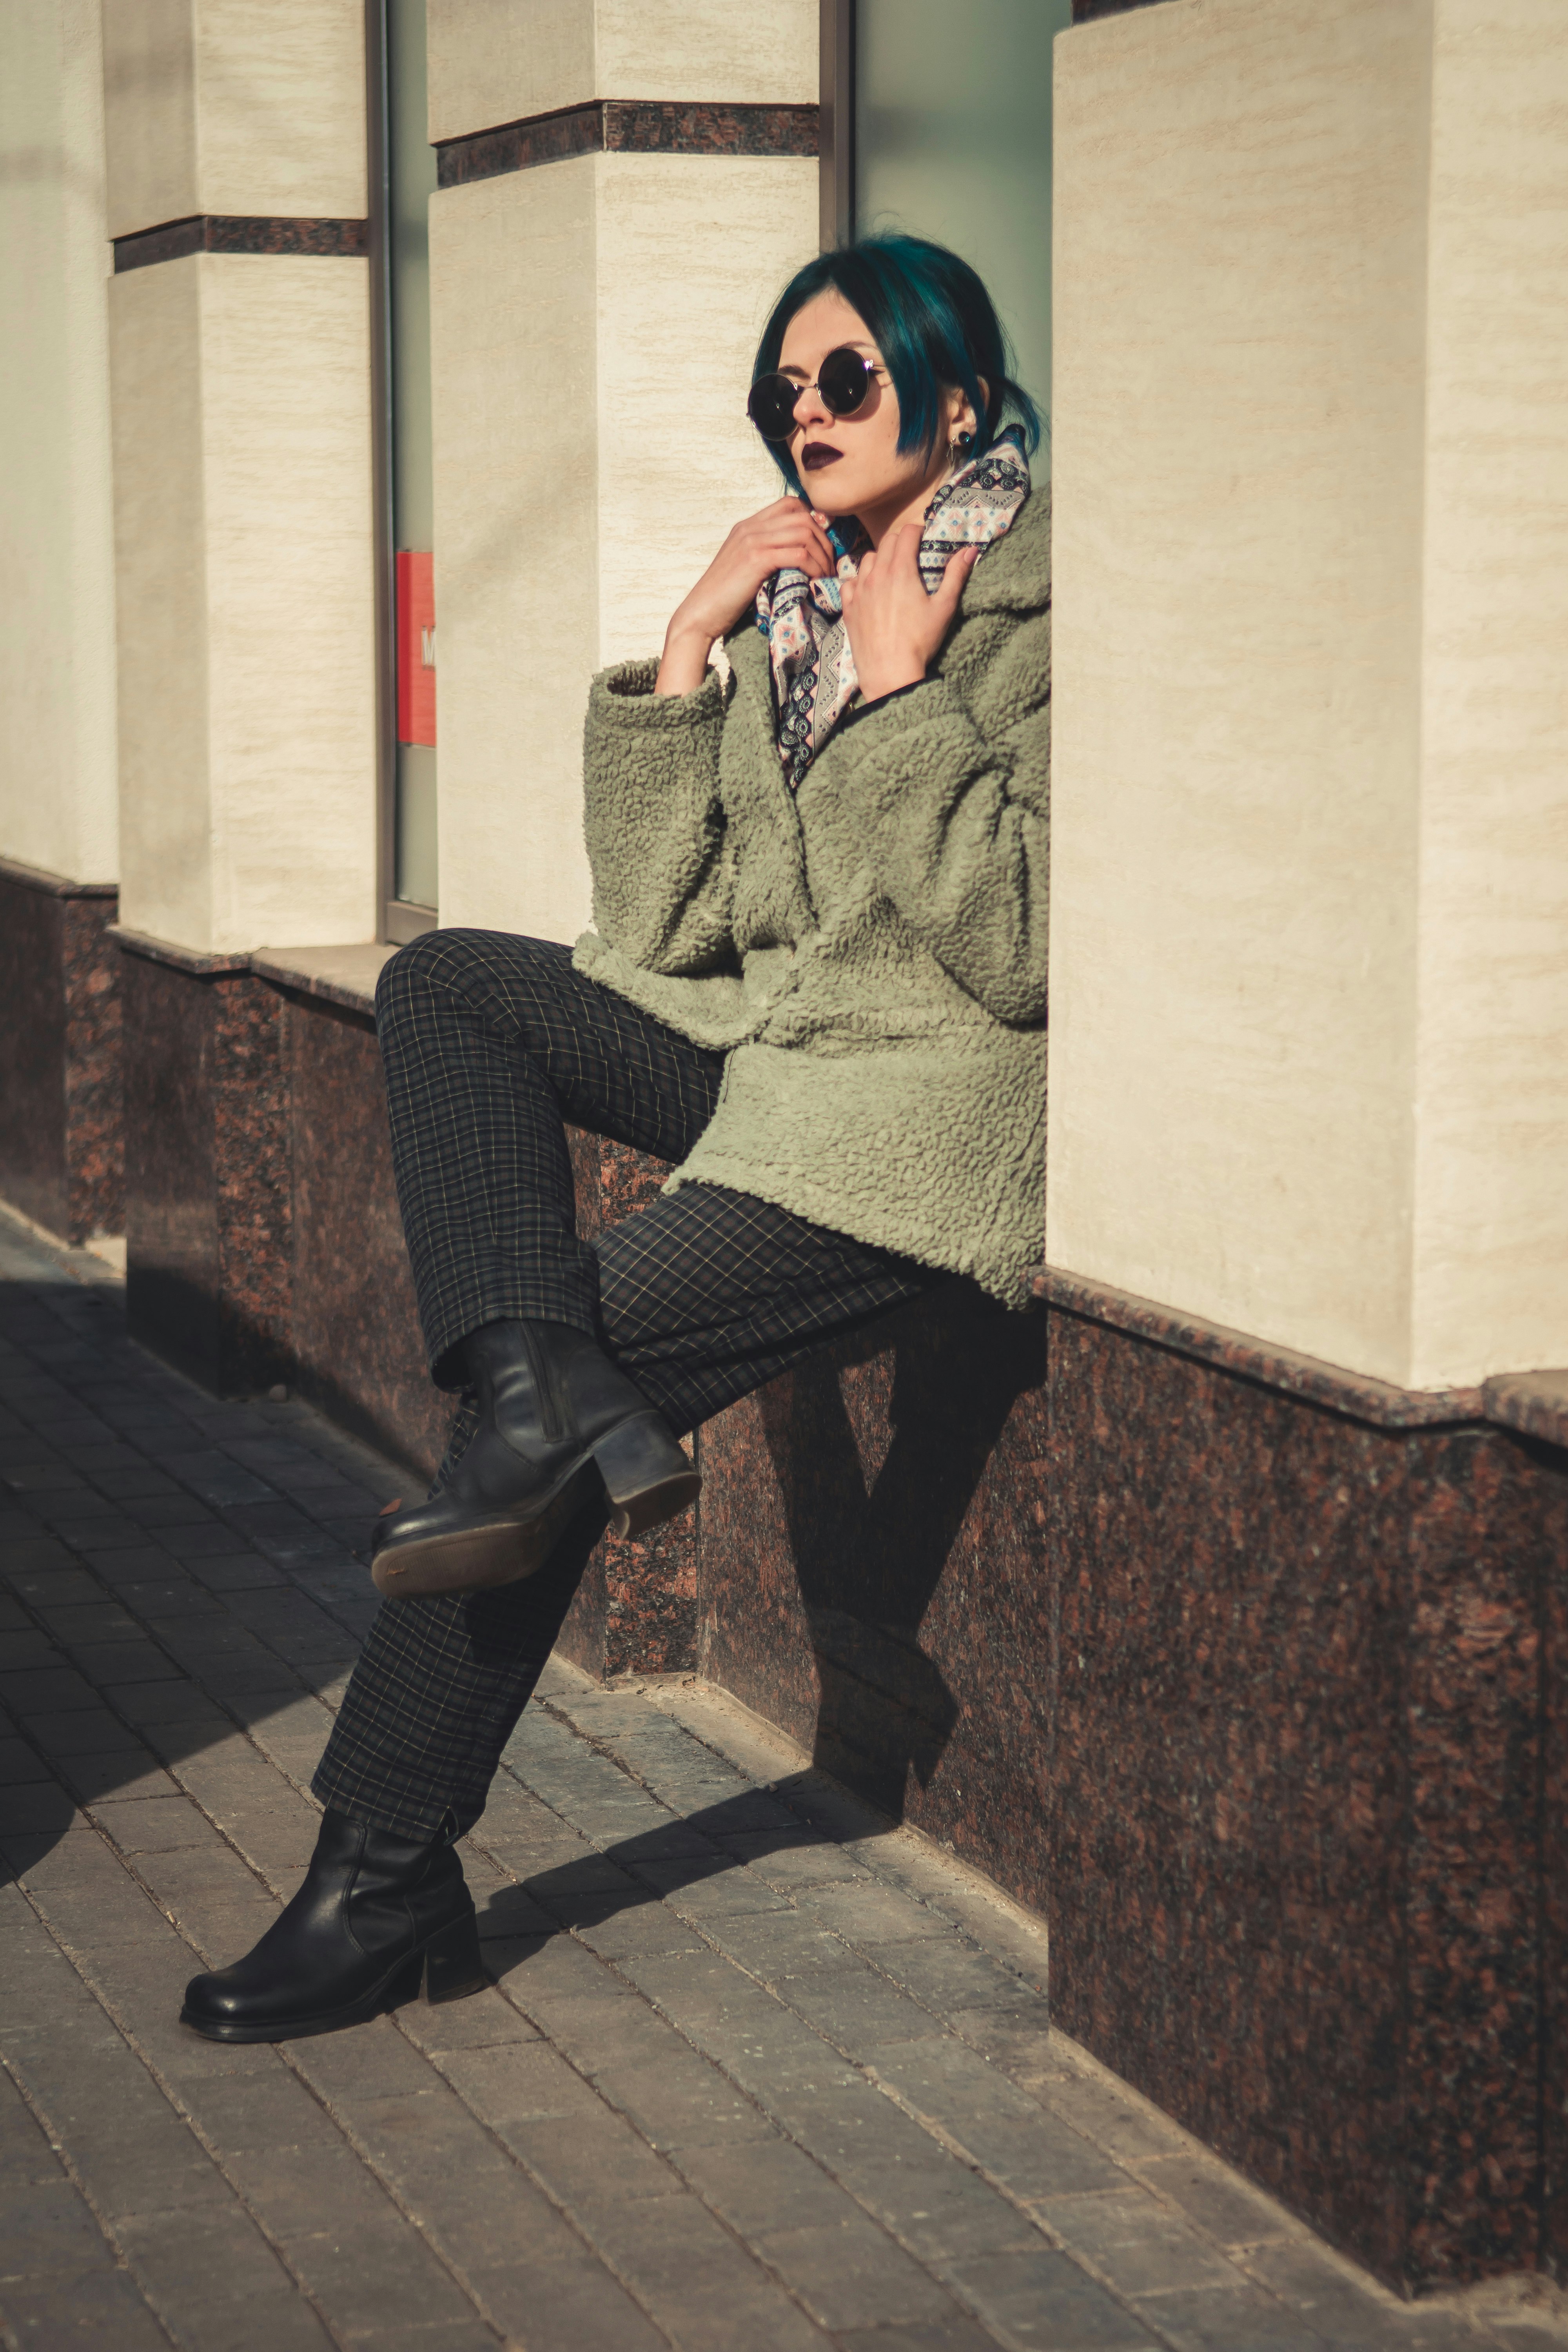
pixel 953 140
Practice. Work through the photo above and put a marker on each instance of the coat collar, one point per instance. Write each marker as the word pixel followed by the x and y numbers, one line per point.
pixel 1014 575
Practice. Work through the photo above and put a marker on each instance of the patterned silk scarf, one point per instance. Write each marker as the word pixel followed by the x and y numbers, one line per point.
pixel 802 619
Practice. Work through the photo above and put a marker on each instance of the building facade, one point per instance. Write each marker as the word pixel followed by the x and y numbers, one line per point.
pixel 373 376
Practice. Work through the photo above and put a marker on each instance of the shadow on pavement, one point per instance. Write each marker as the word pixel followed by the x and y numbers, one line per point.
pixel 172 1568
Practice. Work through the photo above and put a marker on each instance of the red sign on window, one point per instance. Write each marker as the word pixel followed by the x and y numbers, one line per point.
pixel 416 650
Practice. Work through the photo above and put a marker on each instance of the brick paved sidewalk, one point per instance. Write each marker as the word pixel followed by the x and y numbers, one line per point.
pixel 757 2073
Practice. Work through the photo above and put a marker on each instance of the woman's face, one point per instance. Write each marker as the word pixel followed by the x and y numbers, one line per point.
pixel 851 465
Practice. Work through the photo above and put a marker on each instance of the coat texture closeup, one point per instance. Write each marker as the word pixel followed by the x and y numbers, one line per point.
pixel 869 951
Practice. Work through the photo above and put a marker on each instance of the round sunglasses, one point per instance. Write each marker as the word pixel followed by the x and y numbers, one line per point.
pixel 842 379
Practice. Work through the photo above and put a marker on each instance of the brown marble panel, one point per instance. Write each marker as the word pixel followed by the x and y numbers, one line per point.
pixel 34 1164
pixel 1483 1531
pixel 94 1082
pixel 252 1175
pixel 1229 1781
pixel 637 126
pixel 635 1609
pixel 238 233
pixel 171 1192
pixel 1377 1402
pixel 1550 1466
pixel 208 1175
pixel 868 1580
pixel 358 1349
pixel 649 126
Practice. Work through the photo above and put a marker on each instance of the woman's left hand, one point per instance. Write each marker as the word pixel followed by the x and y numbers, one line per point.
pixel 895 630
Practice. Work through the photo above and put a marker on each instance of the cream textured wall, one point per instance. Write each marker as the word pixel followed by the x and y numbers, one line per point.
pixel 247 644
pixel 161 560
pixel 1306 1025
pixel 58 804
pixel 494 61
pixel 593 324
pixel 225 106
pixel 513 309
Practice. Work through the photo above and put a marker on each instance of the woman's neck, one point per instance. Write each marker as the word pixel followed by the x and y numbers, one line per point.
pixel 880 521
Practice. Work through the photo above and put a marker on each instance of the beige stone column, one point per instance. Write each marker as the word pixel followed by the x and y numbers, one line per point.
pixel 1309 893
pixel 58 804
pixel 596 298
pixel 242 462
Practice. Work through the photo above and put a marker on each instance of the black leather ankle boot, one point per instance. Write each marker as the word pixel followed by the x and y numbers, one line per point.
pixel 554 1412
pixel 379 1919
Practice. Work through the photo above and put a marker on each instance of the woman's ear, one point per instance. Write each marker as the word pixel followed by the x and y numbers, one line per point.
pixel 960 416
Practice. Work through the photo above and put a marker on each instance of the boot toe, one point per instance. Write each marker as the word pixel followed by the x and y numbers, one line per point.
pixel 217 2004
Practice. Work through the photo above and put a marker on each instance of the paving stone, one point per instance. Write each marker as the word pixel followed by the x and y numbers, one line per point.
pixel 154 1825
pixel 958 2335
pixel 851 2274
pixel 372 2269
pixel 995 2122
pixel 95 2307
pixel 45 1689
pixel 1221 2203
pixel 1042 2298
pixel 115 1777
pixel 1226 2319
pixel 235 1571
pixel 94 1622
pixel 696 2283
pixel 20 1763
pixel 795 1862
pixel 36 1807
pixel 1138 2252
pixel 218 2283
pixel 1327 2301
pixel 47 2225
pixel 573 2304
pixel 938 2206
pixel 110 1664
pixel 84 1731
pixel 852 2007
pixel 25 1655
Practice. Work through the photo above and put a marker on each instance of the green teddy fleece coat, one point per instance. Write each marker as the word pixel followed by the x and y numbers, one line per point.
pixel 870 951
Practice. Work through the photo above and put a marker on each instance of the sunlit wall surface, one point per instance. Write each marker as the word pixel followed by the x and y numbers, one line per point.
pixel 953 130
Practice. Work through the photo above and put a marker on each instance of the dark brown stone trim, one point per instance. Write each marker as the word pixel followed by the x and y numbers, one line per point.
pixel 53 886
pixel 1535 1403
pixel 345 977
pixel 1084 12
pixel 237 233
pixel 1349 1394
pixel 151 950
pixel 631 126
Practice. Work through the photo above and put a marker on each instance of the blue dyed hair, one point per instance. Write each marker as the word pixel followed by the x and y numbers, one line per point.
pixel 936 327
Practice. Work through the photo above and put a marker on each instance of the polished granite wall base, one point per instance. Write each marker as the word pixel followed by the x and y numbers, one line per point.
pixel 61 1152
pixel 356 1344
pixel 264 1242
pixel 635 1609
pixel 1261 1705
pixel 207 1207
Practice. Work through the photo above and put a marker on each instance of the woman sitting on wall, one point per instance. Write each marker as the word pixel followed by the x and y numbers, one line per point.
pixel 815 982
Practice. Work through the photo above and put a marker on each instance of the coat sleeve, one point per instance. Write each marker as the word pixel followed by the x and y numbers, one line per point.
pixel 954 798
pixel 653 820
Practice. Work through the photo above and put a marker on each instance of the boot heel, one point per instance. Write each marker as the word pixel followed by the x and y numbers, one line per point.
pixel 647 1477
pixel 453 1967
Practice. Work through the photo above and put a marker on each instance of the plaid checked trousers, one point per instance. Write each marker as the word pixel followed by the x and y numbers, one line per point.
pixel 491 1044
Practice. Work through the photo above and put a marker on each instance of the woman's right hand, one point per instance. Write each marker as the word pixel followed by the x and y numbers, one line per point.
pixel 788 532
